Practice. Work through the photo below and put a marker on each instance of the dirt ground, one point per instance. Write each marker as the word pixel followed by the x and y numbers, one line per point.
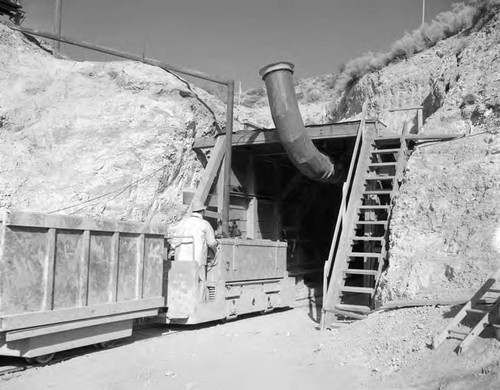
pixel 282 350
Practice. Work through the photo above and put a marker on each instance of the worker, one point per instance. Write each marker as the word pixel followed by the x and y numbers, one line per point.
pixel 194 236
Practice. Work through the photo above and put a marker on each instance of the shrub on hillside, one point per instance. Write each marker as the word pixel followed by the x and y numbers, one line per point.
pixel 446 24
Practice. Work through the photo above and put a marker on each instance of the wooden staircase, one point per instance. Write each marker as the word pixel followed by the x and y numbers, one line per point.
pixel 480 311
pixel 359 246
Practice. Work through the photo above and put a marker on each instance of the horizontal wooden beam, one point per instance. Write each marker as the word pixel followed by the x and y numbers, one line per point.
pixel 270 136
pixel 211 200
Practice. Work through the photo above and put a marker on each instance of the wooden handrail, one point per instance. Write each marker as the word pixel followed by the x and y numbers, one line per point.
pixel 343 204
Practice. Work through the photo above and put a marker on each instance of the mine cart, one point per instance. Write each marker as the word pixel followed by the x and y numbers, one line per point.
pixel 66 282
pixel 245 276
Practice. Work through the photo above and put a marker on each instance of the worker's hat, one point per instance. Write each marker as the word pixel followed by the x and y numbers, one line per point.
pixel 198 206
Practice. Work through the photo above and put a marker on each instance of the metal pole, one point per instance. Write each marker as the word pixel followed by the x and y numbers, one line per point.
pixel 121 54
pixel 227 157
pixel 423 13
pixel 57 24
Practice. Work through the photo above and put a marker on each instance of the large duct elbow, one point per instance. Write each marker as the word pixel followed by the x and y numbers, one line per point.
pixel 290 126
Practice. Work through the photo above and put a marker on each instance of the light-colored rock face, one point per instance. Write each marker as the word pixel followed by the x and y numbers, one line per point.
pixel 446 220
pixel 118 132
pixel 457 82
pixel 445 225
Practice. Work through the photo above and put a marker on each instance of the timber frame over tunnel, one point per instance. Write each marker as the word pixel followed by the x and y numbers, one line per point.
pixel 270 199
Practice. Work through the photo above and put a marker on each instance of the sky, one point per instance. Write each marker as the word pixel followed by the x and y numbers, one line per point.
pixel 233 39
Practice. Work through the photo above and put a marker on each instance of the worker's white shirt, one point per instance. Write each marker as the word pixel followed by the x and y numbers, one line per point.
pixel 193 236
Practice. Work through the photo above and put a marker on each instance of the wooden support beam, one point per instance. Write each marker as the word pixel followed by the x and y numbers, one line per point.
pixel 292 184
pixel 252 205
pixel 210 171
pixel 227 158
pixel 269 136
pixel 278 203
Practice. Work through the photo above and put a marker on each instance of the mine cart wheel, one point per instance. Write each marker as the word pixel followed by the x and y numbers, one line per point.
pixel 42 359
pixel 106 344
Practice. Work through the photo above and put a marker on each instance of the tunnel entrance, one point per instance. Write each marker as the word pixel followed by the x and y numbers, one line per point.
pixel 272 200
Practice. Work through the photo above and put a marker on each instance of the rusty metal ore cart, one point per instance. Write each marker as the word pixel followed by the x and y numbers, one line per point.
pixel 66 282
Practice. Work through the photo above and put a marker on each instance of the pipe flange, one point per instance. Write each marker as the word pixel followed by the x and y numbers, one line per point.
pixel 283 65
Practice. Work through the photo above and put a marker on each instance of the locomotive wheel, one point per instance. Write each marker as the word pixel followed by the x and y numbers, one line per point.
pixel 42 359
pixel 106 344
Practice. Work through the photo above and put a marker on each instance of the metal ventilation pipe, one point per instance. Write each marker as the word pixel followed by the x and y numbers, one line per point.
pixel 290 126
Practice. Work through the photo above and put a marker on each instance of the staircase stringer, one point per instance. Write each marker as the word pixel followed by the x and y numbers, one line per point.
pixel 341 258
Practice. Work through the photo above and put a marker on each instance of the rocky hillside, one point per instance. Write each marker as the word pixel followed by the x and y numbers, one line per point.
pixel 96 139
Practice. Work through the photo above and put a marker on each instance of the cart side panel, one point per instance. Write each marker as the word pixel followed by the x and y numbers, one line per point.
pixel 24 270
pixel 153 266
pixel 128 269
pixel 253 259
pixel 101 265
pixel 69 267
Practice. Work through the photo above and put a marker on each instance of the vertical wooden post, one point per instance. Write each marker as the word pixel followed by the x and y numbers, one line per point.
pixel 420 118
pixel 252 205
pixel 57 24
pixel 84 270
pixel 115 268
pixel 227 157
pixel 48 296
pixel 139 275
pixel 278 200
pixel 220 189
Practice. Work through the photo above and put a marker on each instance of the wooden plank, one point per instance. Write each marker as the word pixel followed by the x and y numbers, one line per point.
pixel 29 320
pixel 278 203
pixel 114 267
pixel 48 296
pixel 270 136
pixel 84 269
pixel 68 269
pixel 48 221
pixel 211 169
pixel 238 201
pixel 140 267
pixel 43 330
pixel 220 190
pixel 352 204
pixel 228 159
pixel 440 337
pixel 476 331
pixel 252 205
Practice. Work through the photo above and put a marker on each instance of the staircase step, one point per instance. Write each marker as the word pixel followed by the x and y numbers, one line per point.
pixel 355 308
pixel 374 207
pixel 493 290
pixel 365 254
pixel 377 192
pixel 358 238
pixel 368 272
pixel 371 223
pixel 384 151
pixel 383 164
pixel 379 178
pixel 361 290
pixel 460 331
pixel 477 311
